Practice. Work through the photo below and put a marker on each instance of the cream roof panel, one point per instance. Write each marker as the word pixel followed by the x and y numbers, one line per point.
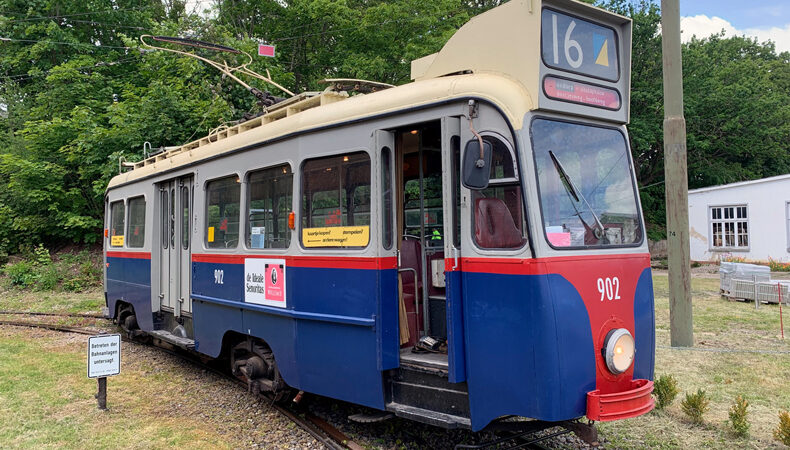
pixel 507 94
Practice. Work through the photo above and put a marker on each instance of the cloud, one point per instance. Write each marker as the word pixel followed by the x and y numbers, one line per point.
pixel 703 26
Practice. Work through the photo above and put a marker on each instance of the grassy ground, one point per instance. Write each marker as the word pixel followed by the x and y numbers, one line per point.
pixel 721 364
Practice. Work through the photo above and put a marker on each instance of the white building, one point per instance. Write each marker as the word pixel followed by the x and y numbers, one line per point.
pixel 749 220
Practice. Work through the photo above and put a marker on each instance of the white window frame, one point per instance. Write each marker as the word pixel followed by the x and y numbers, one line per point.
pixel 735 220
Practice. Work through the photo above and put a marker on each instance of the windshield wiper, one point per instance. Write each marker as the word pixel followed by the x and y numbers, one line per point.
pixel 576 193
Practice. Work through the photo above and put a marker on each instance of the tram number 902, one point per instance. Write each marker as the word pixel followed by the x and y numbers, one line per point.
pixel 609 288
pixel 219 274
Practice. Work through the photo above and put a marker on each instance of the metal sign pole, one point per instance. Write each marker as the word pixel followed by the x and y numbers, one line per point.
pixel 101 396
pixel 675 172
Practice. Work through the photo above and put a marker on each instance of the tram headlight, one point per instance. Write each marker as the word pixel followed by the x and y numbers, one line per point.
pixel 619 350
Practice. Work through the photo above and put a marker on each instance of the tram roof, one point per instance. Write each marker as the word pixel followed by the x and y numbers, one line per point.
pixel 505 93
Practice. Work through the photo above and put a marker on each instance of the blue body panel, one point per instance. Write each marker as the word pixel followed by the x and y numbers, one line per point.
pixel 129 280
pixel 456 347
pixel 644 327
pixel 327 339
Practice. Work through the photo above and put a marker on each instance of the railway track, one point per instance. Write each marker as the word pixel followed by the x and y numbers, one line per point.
pixel 320 429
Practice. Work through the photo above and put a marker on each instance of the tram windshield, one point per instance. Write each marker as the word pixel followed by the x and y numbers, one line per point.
pixel 587 194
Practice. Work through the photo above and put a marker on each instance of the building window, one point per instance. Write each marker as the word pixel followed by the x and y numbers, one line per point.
pixel 269 204
pixel 729 226
pixel 222 213
pixel 116 223
pixel 336 201
pixel 136 230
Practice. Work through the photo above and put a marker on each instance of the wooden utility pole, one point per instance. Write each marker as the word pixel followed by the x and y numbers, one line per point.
pixel 676 177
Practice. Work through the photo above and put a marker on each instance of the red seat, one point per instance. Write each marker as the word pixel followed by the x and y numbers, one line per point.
pixel 494 225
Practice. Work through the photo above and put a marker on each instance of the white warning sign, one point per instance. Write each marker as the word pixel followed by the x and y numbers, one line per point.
pixel 104 355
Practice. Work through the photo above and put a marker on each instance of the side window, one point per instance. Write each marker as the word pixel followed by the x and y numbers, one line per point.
pixel 186 201
pixel 386 198
pixel 222 212
pixel 498 220
pixel 136 231
pixel 165 218
pixel 116 223
pixel 269 203
pixel 336 201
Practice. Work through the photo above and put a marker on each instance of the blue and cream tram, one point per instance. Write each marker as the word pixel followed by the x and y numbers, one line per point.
pixel 486 213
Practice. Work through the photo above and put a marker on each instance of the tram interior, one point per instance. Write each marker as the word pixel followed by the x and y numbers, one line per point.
pixel 421 227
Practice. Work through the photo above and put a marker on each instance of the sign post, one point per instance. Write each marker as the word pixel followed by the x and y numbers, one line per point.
pixel 104 360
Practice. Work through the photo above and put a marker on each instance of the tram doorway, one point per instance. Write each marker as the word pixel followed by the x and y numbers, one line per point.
pixel 175 246
pixel 426 215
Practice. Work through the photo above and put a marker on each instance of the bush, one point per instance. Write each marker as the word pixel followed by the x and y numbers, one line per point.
pixel 782 433
pixel 738 416
pixel 21 273
pixel 696 405
pixel 777 266
pixel 665 389
pixel 70 272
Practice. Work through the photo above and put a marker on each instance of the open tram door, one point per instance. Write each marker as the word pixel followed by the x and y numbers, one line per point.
pixel 427 205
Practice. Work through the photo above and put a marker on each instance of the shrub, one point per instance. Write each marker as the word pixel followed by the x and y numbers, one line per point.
pixel 782 433
pixel 665 389
pixel 738 416
pixel 21 273
pixel 696 405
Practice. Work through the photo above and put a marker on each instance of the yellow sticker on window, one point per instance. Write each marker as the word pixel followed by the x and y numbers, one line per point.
pixel 336 236
pixel 117 241
pixel 211 234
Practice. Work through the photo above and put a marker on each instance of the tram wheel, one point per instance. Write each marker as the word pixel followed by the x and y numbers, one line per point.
pixel 254 362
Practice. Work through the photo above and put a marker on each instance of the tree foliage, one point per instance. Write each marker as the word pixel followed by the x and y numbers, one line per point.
pixel 77 91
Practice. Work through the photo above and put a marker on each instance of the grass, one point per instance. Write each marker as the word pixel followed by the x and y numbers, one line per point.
pixel 726 329
pixel 47 402
pixel 90 301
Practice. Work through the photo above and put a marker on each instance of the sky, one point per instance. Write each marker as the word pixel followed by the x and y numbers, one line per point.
pixel 761 19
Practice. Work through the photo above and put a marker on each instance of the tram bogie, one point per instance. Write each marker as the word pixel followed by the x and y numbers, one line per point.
pixel 353 249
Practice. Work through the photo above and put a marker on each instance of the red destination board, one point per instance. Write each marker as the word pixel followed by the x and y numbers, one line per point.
pixel 265 50
pixel 578 92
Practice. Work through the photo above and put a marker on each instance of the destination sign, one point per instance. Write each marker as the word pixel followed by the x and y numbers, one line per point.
pixel 576 45
pixel 578 92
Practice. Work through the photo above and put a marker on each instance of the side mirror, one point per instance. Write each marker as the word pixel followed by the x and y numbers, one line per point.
pixel 476 170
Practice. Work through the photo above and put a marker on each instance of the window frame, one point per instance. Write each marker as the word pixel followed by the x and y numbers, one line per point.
pixel 299 205
pixel 129 220
pixel 632 177
pixel 734 220
pixel 206 184
pixel 500 182
pixel 248 199
pixel 123 226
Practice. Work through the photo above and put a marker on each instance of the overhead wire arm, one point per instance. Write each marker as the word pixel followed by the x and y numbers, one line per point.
pixel 265 98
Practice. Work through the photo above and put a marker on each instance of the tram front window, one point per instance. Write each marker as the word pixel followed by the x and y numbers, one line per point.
pixel 587 194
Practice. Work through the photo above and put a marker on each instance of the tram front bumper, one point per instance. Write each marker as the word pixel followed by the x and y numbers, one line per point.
pixel 621 405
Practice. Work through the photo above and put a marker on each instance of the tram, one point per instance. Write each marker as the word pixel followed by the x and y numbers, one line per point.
pixel 462 248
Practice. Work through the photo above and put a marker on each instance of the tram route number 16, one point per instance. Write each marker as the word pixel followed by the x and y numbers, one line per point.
pixel 609 288
pixel 568 44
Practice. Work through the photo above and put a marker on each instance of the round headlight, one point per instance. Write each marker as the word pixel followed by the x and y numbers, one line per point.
pixel 619 350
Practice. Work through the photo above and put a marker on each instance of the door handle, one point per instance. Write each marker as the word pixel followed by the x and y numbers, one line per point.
pixel 455 258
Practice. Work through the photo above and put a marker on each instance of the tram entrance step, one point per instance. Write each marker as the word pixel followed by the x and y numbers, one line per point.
pixel 430 417
pixel 178 341
pixel 429 393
